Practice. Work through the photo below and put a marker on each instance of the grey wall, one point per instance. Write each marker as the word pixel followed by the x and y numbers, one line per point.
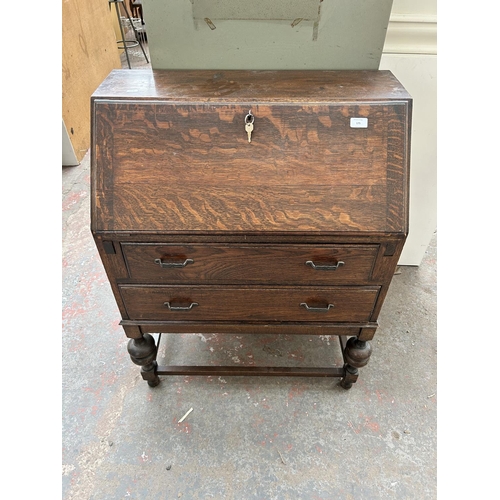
pixel 282 34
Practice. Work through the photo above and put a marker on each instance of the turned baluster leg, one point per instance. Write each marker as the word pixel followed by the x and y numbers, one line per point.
pixel 356 355
pixel 143 353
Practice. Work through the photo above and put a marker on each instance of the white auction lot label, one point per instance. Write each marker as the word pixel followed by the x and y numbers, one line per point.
pixel 359 122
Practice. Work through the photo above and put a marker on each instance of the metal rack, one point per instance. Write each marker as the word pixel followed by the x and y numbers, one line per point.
pixel 126 44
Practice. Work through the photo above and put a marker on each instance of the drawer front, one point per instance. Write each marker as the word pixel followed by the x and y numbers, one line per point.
pixel 205 303
pixel 234 264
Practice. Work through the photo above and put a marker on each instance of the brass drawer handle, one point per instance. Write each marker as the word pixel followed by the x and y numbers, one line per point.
pixel 180 308
pixel 316 309
pixel 325 267
pixel 163 264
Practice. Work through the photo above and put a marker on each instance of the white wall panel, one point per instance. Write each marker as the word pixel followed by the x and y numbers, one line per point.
pixel 410 52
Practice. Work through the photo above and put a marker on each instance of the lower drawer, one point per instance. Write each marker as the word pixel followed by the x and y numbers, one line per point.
pixel 207 303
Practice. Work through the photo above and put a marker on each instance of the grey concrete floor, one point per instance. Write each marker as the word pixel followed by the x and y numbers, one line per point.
pixel 247 437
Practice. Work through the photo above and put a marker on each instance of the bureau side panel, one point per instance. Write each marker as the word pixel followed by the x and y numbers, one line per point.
pixel 384 269
pixel 114 265
pixel 101 165
pixel 398 166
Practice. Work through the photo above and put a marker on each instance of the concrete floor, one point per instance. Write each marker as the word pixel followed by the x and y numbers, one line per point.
pixel 247 437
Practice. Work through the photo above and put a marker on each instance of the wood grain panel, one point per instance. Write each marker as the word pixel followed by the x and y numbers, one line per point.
pixel 305 169
pixel 264 208
pixel 290 145
pixel 288 328
pixel 278 264
pixel 397 170
pixel 249 303
pixel 237 86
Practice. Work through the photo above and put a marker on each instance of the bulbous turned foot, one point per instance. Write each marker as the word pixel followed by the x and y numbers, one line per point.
pixel 357 352
pixel 142 352
pixel 356 355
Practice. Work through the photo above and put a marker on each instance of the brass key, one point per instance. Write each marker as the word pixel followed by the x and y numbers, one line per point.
pixel 249 125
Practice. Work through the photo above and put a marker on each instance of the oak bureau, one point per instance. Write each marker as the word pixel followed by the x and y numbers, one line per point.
pixel 250 202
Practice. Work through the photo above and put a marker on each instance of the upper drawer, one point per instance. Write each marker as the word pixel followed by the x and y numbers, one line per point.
pixel 275 264
pixel 177 167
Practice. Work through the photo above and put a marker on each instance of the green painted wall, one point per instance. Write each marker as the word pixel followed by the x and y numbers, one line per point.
pixel 264 34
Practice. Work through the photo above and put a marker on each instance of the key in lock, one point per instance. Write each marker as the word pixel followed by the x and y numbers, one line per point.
pixel 249 119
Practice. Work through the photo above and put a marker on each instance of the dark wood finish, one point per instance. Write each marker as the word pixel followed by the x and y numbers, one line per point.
pixel 252 86
pixel 132 331
pixel 251 327
pixel 276 371
pixel 143 352
pixel 277 264
pixel 356 355
pixel 357 352
pixel 305 169
pixel 200 230
pixel 251 304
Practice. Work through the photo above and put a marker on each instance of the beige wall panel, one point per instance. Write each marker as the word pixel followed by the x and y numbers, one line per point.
pixel 410 52
pixel 418 75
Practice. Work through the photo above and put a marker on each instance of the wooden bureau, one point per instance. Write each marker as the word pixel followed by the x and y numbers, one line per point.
pixel 295 226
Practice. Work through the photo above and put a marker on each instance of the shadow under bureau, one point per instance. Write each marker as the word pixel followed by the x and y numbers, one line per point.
pixel 250 202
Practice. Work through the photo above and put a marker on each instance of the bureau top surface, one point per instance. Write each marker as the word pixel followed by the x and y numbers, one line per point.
pixel 237 85
pixel 329 152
